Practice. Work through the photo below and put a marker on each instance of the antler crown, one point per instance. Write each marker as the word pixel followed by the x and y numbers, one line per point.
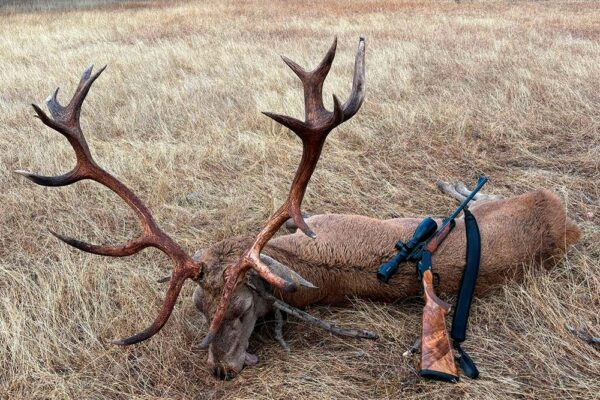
pixel 313 131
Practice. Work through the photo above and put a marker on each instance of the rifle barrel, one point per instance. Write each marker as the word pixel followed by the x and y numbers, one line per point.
pixel 480 182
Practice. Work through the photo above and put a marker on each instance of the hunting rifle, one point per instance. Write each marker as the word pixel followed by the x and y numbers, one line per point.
pixel 437 360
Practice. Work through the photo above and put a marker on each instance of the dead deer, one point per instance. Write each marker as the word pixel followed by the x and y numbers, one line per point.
pixel 343 260
pixel 332 258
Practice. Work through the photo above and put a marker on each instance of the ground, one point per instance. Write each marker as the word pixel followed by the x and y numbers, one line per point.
pixel 508 89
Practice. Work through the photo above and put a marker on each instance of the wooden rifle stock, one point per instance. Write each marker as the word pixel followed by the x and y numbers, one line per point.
pixel 439 237
pixel 437 360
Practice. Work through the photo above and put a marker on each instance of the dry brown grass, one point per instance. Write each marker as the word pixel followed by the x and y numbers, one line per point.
pixel 508 89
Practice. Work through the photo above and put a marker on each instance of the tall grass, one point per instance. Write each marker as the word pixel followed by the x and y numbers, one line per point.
pixel 509 89
pixel 18 6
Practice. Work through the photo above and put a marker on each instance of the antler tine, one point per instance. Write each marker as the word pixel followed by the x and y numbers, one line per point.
pixel 318 121
pixel 357 96
pixel 70 114
pixel 128 249
pixel 317 118
pixel 66 121
pixel 313 131
pixel 175 285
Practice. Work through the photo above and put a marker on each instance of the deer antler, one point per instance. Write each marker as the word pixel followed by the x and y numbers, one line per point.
pixel 65 120
pixel 312 131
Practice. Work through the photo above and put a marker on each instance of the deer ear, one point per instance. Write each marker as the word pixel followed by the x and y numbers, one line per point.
pixel 285 272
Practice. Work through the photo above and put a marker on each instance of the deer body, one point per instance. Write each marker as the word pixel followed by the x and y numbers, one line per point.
pixel 342 261
pixel 344 258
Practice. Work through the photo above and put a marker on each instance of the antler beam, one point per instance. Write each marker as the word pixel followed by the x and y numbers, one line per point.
pixel 65 120
pixel 313 131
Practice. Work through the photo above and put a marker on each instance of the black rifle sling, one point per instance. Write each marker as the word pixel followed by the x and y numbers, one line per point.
pixel 465 295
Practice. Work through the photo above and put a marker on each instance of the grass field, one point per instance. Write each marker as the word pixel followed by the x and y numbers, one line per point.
pixel 509 89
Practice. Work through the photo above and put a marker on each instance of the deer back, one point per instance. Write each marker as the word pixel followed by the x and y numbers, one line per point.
pixel 343 260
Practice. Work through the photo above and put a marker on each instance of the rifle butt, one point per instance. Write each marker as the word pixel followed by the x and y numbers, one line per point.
pixel 437 360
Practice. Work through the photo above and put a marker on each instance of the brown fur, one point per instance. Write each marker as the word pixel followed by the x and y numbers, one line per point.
pixel 343 260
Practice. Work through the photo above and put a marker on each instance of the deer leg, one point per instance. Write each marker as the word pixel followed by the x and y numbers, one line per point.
pixel 460 191
pixel 328 326
pixel 306 317
pixel 279 330
pixel 450 190
pixel 464 190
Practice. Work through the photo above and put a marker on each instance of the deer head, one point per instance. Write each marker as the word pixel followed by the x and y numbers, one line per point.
pixel 227 353
pixel 229 296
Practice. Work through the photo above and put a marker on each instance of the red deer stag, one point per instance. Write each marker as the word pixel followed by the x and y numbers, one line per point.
pixel 336 256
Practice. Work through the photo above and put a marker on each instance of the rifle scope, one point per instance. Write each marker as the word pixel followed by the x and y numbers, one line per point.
pixel 426 228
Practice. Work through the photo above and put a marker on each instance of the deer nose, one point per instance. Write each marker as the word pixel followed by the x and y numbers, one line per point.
pixel 223 372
